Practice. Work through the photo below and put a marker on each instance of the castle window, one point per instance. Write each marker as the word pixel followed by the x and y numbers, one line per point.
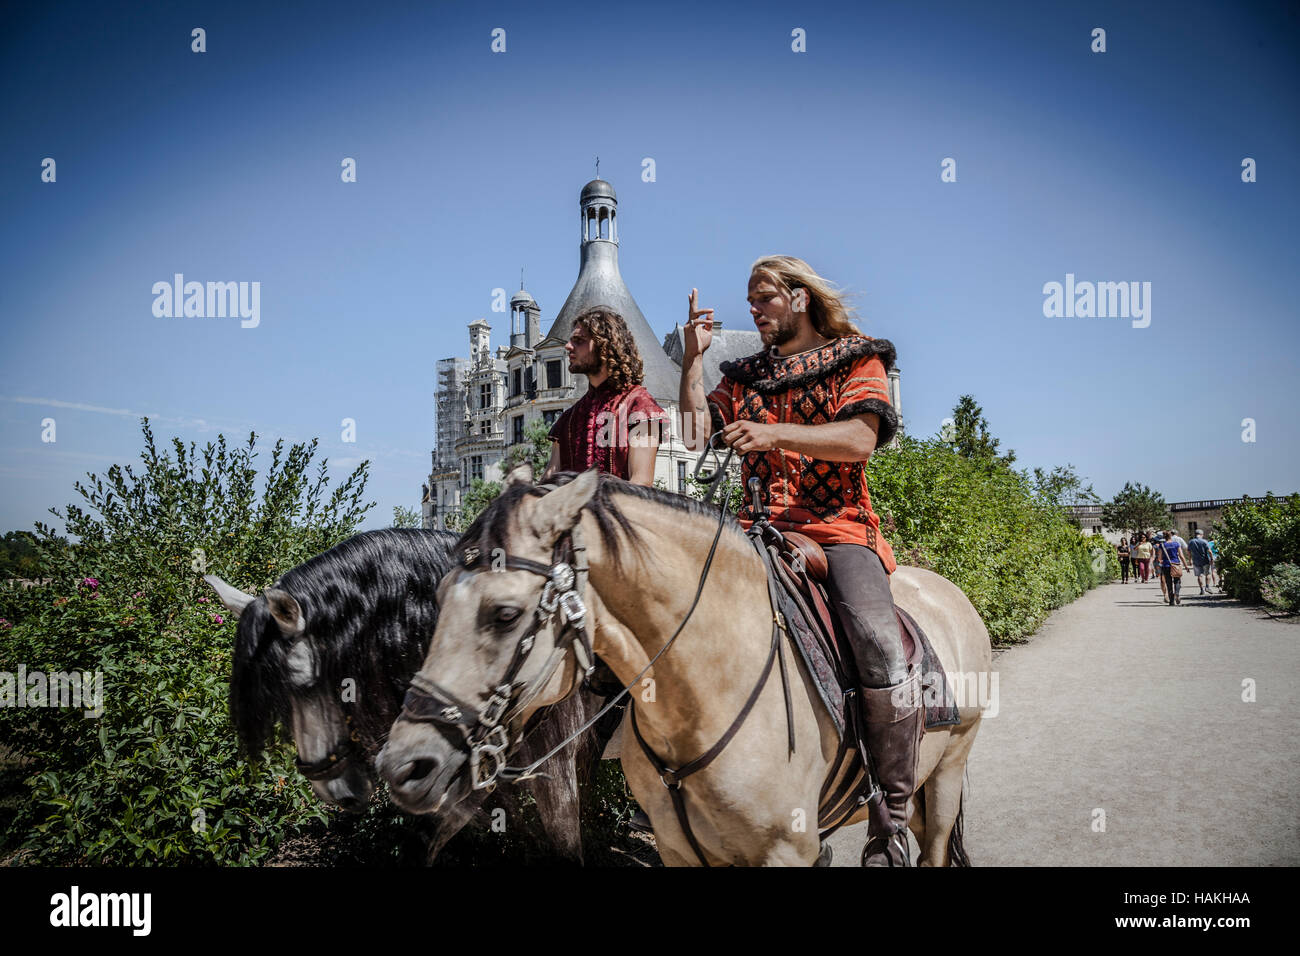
pixel 476 466
pixel 554 374
pixel 681 477
pixel 516 382
pixel 550 415
pixel 518 429
pixel 485 395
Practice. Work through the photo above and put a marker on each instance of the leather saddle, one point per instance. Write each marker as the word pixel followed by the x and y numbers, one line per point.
pixel 800 573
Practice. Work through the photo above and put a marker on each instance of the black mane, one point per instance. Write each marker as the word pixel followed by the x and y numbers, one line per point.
pixel 370 609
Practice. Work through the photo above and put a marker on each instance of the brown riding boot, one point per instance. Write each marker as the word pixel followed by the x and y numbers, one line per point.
pixel 895 723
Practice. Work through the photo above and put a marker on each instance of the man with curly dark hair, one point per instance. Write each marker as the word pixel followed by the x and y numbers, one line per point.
pixel 616 426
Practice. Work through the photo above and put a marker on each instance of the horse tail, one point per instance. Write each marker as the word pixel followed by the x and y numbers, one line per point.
pixel 956 849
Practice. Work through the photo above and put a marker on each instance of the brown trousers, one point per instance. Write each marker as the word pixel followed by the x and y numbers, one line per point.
pixel 858 587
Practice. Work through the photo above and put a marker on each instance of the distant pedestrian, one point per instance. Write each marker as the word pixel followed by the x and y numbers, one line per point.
pixel 1144 557
pixel 1202 559
pixel 1214 563
pixel 1157 552
pixel 1173 559
pixel 1124 555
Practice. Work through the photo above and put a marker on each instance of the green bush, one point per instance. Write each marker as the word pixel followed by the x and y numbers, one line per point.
pixel 1253 539
pixel 1282 588
pixel 985 527
pixel 157 778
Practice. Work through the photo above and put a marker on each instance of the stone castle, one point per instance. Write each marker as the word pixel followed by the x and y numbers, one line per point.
pixel 486 402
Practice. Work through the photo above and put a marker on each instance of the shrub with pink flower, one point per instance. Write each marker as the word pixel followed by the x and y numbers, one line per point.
pixel 89 582
pixel 219 619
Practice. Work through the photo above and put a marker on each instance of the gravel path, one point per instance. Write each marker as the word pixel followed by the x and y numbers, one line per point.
pixel 1123 706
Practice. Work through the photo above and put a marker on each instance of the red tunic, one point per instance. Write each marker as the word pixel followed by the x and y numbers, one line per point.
pixel 593 431
pixel 826 500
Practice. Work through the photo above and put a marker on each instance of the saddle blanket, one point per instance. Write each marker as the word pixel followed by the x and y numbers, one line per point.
pixel 940 704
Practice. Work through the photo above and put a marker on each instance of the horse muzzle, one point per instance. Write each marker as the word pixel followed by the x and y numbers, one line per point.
pixel 424 772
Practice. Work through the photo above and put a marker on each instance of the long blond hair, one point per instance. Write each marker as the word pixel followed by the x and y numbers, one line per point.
pixel 827 306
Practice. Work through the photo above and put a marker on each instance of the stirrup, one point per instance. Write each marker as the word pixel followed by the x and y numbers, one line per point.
pixel 905 850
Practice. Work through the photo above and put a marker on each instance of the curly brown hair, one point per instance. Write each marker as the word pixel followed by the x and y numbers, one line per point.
pixel 613 346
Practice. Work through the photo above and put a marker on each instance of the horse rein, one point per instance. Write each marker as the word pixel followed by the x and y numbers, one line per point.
pixel 516 774
pixel 484 732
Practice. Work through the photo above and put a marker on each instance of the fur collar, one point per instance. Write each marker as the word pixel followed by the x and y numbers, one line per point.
pixel 771 375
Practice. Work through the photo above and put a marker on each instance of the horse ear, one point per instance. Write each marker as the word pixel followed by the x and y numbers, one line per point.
pixel 557 511
pixel 286 612
pixel 234 599
pixel 520 475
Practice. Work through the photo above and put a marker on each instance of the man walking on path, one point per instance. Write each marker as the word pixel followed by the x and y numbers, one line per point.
pixel 1202 559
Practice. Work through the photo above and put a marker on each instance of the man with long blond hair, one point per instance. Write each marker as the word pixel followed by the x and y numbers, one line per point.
pixel 807 413
pixel 616 426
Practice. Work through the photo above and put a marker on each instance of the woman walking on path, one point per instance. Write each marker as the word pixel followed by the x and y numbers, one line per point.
pixel 1123 561
pixel 1144 558
pixel 1158 557
pixel 1171 567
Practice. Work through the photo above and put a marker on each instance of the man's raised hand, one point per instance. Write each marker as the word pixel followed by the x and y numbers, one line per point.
pixel 698 331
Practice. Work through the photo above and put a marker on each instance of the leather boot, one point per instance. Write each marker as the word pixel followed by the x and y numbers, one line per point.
pixel 895 724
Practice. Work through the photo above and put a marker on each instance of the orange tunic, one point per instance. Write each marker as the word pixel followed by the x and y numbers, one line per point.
pixel 826 500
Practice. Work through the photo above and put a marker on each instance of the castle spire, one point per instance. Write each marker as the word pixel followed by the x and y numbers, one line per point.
pixel 600 283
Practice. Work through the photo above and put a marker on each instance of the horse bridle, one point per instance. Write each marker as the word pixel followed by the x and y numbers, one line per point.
pixel 484 732
pixel 335 762
pixel 340 756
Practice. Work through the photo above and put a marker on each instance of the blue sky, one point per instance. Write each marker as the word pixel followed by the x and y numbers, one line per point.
pixel 225 166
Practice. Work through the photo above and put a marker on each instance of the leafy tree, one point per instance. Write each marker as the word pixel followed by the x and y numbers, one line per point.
pixel 1062 486
pixel 1135 508
pixel 18 557
pixel 480 495
pixel 535 448
pixel 158 776
pixel 1254 539
pixel 970 435
pixel 406 518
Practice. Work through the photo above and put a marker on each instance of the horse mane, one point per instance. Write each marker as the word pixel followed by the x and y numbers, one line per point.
pixel 371 608
pixel 491 529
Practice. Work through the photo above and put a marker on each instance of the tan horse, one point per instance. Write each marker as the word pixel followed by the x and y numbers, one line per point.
pixel 756 803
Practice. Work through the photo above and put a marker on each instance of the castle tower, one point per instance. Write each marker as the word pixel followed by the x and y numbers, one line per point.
pixel 525 321
pixel 599 283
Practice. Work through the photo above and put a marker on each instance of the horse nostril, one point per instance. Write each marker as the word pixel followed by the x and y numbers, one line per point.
pixel 415 770
pixel 422 768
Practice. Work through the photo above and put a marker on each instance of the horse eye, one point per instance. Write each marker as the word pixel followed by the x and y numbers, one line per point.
pixel 507 615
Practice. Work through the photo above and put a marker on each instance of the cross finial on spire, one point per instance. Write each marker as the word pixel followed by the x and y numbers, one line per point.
pixel 597 167
pixel 521 278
